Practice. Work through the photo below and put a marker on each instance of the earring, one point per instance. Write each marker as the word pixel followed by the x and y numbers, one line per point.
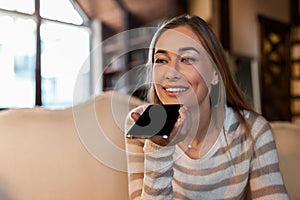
pixel 215 82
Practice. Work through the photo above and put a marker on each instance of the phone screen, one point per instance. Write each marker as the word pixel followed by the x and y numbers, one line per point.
pixel 156 120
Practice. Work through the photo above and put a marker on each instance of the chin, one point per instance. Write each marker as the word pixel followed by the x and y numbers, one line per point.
pixel 171 102
pixel 168 100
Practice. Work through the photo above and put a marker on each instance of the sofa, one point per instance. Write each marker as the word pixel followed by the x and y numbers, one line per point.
pixel 78 153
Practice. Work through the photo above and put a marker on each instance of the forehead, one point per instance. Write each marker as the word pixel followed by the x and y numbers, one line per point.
pixel 179 37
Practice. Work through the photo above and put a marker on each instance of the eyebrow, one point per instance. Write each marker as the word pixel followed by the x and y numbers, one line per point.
pixel 180 50
pixel 188 49
pixel 160 51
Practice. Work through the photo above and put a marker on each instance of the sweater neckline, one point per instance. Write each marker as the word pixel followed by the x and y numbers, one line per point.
pixel 209 154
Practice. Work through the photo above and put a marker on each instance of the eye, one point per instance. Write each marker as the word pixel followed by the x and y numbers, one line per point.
pixel 160 61
pixel 189 60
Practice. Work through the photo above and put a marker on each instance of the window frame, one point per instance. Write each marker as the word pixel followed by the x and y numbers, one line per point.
pixel 39 21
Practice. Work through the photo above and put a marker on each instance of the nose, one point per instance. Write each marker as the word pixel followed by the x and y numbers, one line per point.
pixel 173 72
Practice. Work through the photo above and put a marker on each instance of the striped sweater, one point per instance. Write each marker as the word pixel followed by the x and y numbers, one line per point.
pixel 234 168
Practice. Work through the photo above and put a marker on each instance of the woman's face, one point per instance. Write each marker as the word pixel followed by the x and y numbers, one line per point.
pixel 183 72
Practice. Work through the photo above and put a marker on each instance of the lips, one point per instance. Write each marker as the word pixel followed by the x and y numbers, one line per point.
pixel 178 89
pixel 175 90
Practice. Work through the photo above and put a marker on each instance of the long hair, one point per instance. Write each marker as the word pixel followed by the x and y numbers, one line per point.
pixel 235 98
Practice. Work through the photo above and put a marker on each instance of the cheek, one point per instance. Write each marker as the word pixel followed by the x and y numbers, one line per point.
pixel 194 77
pixel 157 75
pixel 206 73
pixel 198 84
pixel 157 80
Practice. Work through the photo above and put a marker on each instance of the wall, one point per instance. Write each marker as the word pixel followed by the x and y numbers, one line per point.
pixel 245 26
pixel 243 20
pixel 245 32
pixel 202 8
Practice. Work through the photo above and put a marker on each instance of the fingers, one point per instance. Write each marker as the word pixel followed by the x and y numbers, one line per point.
pixel 135 116
pixel 184 120
pixel 181 127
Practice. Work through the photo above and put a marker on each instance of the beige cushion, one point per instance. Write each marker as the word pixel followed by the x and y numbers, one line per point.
pixel 43 156
pixel 287 137
pixel 78 153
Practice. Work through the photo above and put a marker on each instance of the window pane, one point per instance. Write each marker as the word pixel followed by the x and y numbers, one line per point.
pixel 64 50
pixel 61 10
pixel 25 6
pixel 17 62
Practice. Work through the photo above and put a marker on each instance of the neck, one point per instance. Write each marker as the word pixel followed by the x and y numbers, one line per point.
pixel 201 122
pixel 203 133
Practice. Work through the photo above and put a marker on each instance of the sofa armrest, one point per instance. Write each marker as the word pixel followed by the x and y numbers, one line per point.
pixel 287 138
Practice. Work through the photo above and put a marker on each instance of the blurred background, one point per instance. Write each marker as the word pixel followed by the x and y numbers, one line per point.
pixel 46 45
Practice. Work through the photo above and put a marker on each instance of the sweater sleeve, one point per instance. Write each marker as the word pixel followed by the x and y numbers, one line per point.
pixel 265 178
pixel 158 172
pixel 150 170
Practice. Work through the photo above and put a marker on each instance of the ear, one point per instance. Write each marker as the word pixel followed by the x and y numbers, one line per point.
pixel 215 78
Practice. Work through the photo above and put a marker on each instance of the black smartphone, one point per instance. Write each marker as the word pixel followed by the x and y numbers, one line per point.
pixel 156 120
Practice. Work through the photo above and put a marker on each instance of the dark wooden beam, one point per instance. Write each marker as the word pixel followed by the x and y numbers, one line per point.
pixel 225 24
pixel 38 79
pixel 295 12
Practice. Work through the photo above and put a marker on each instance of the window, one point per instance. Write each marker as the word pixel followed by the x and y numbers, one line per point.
pixel 64 46
pixel 64 49
pixel 24 6
pixel 17 62
pixel 56 10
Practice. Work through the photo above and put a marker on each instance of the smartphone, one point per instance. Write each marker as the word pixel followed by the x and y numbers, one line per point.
pixel 156 120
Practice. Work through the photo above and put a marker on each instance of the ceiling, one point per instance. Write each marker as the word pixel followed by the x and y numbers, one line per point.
pixel 111 12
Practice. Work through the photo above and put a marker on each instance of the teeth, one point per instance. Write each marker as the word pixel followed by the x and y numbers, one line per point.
pixel 175 89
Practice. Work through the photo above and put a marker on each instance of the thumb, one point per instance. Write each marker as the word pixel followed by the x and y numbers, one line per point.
pixel 135 116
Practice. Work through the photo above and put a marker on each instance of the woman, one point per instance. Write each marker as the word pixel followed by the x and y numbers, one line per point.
pixel 219 147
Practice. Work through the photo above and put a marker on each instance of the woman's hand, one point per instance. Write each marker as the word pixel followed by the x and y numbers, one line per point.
pixel 180 129
pixel 135 116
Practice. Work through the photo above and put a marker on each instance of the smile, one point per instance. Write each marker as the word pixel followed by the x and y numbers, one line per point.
pixel 175 89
